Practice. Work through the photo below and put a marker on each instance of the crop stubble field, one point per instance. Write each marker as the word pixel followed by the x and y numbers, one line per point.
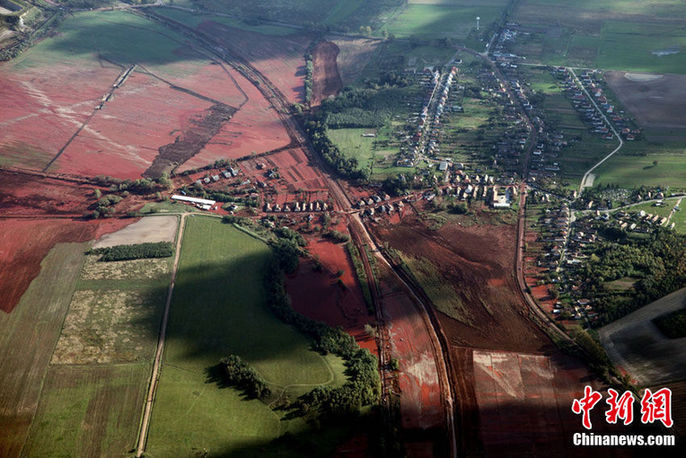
pixel 613 34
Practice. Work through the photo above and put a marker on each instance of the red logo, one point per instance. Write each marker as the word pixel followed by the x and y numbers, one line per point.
pixel 586 404
pixel 655 406
pixel 620 407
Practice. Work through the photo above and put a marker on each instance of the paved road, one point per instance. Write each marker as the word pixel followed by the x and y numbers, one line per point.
pixel 585 180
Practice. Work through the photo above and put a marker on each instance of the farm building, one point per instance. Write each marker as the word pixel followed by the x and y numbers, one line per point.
pixel 205 204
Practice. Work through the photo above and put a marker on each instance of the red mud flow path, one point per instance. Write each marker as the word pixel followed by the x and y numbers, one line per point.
pixel 25 242
pixel 326 79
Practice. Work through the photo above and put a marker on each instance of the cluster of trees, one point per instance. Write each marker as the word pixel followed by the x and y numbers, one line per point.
pixel 363 386
pixel 357 117
pixel 238 374
pixel 139 186
pixel 365 107
pixel 199 191
pixel 290 235
pixel 218 164
pixel 658 262
pixel 337 237
pixel 138 251
pixel 344 166
pixel 396 185
pixel 309 77
pixel 104 207
pixel 673 325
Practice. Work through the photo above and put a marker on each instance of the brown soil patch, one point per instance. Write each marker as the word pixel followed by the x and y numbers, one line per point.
pixel 354 55
pixel 255 128
pixel 479 262
pixel 25 242
pixel 149 229
pixel 192 139
pixel 326 79
pixel 22 194
pixel 320 296
pixel 280 58
pixel 656 103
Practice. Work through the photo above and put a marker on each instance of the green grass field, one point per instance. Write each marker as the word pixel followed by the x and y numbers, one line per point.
pixel 442 295
pixel 353 144
pixel 27 338
pixel 633 165
pixel 440 18
pixel 219 309
pixel 654 210
pixel 114 35
pixel 94 347
pixel 194 20
pixel 90 410
pixel 679 219
pixel 613 34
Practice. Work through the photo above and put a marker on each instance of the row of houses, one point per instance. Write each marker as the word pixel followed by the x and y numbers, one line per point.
pixel 424 125
pixel 228 173
pixel 590 79
pixel 315 206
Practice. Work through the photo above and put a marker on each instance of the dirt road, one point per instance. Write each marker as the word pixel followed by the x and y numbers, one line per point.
pixel 155 376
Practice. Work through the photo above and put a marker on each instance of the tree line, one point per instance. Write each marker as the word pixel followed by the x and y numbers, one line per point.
pixel 138 251
pixel 363 386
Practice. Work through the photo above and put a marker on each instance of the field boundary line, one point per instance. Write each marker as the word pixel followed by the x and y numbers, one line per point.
pixel 155 375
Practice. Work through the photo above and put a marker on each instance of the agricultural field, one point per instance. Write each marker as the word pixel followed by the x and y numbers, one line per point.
pixel 195 19
pixel 368 151
pixel 655 100
pixel 88 127
pixel 646 163
pixel 347 16
pixel 630 35
pixel 92 351
pixel 100 366
pixel 440 18
pixel 636 344
pixel 26 242
pixel 219 309
pixel 27 340
pixel 277 52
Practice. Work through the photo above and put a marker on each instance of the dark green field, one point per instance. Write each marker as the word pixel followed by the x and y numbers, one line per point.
pixel 219 309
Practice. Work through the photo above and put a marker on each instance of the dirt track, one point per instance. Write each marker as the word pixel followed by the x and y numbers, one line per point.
pixel 326 79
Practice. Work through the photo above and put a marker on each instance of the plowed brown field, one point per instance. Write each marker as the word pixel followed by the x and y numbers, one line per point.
pixel 326 79
pixel 25 242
